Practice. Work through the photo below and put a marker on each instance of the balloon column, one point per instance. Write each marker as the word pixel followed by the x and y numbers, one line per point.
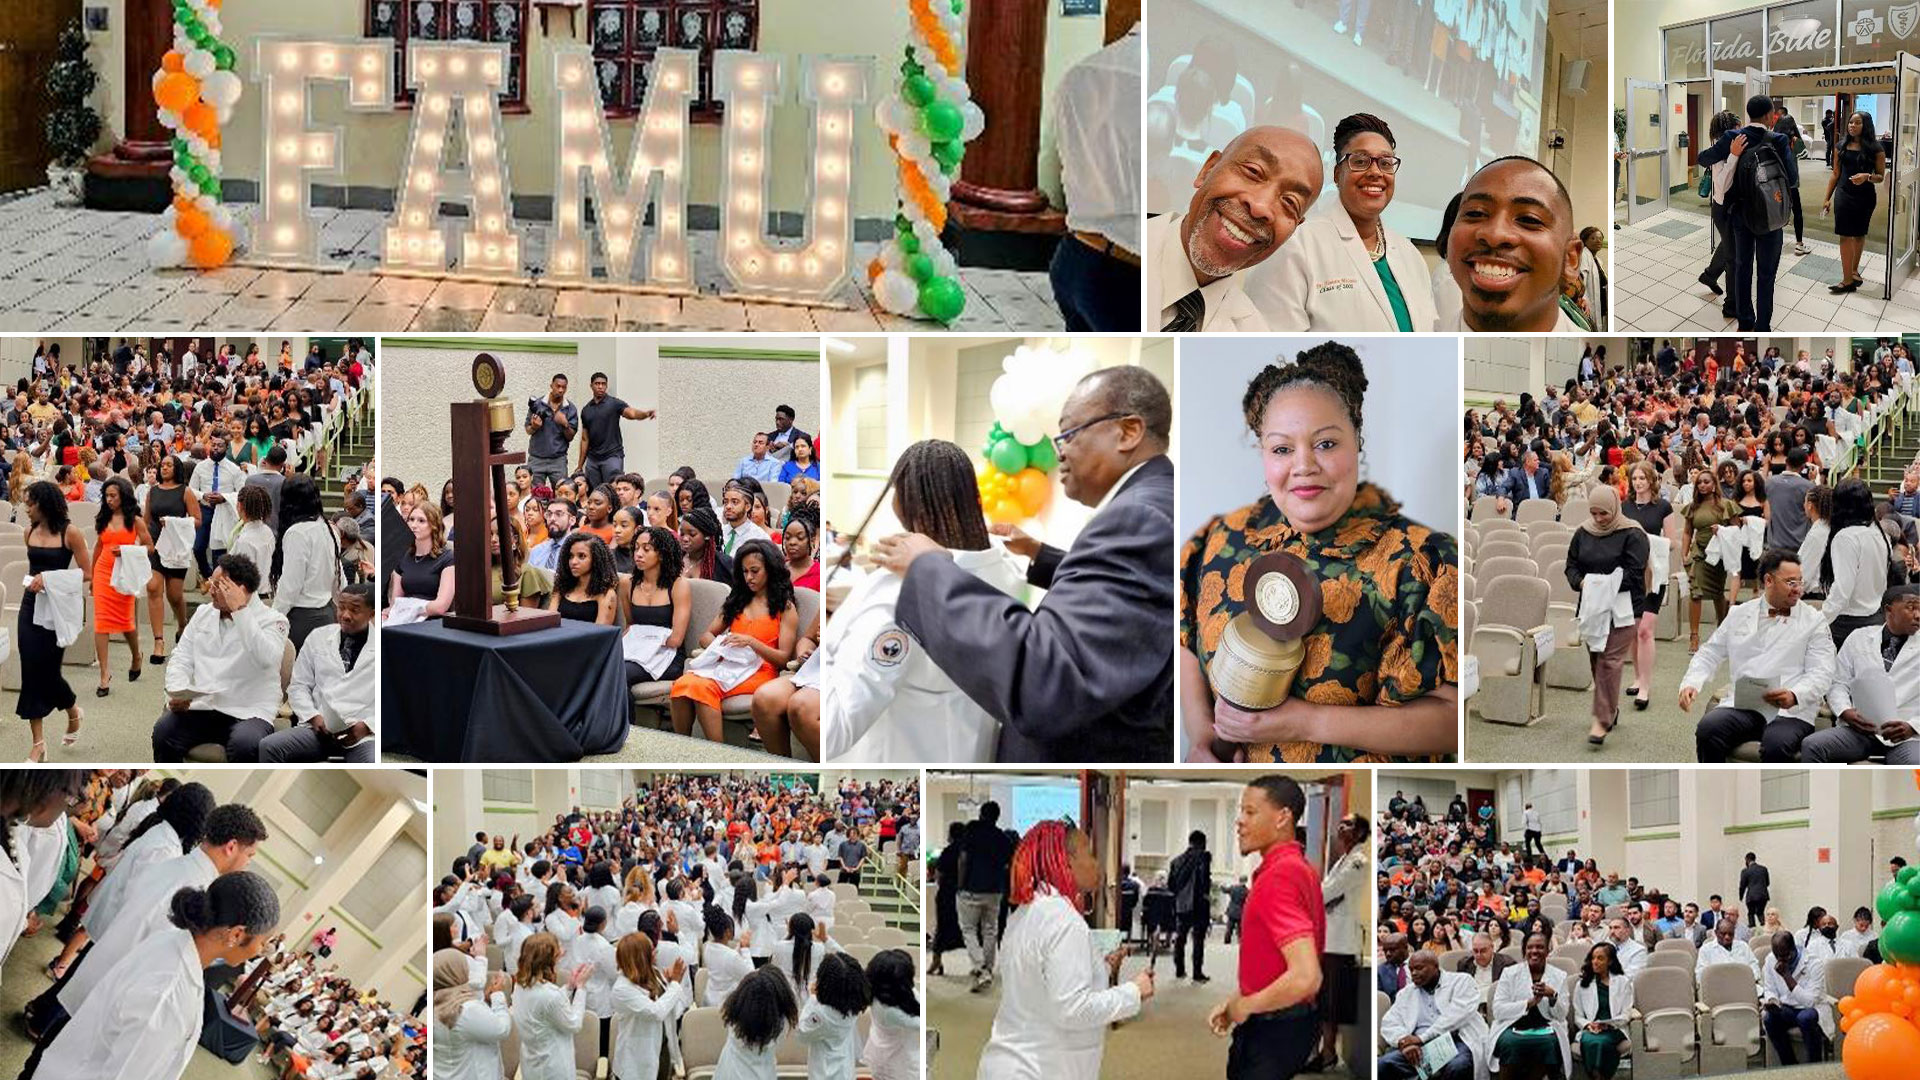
pixel 1879 1017
pixel 929 118
pixel 1019 458
pixel 195 90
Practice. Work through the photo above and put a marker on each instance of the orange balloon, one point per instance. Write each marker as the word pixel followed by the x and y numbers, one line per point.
pixel 875 269
pixel 210 249
pixel 1876 988
pixel 176 91
pixel 201 119
pixel 192 222
pixel 1880 1047
pixel 173 61
pixel 213 137
pixel 1005 512
pixel 182 203
pixel 1847 1021
pixel 1033 490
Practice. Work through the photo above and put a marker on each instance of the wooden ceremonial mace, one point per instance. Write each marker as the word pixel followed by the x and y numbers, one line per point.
pixel 480 460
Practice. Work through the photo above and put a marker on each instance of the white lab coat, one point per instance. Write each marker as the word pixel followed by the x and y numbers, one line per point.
pixel 607 899
pixel 597 953
pixel 225 516
pixel 1323 280
pixel 1584 1002
pixel 893 1044
pixel 883 697
pixel 510 933
pixel 1510 997
pixel 782 958
pixel 1711 953
pixel 1457 997
pixel 470 1050
pixel 726 966
pixel 832 1041
pixel 547 1017
pixel 820 903
pixel 27 877
pixel 149 904
pixel 1809 992
pixel 322 685
pixel 234 662
pixel 564 927
pixel 107 852
pixel 1054 1001
pixel 1347 881
pixel 767 918
pixel 640 1027
pixel 738 1061
pixel 626 918
pixel 145 1025
pixel 1169 276
pixel 1795 653
pixel 62 604
pixel 155 845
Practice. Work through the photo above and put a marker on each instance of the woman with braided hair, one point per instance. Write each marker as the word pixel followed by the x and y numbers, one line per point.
pixel 33 841
pixel 885 699
pixel 700 537
pixel 1055 1002
pixel 145 1018
pixel 1380 669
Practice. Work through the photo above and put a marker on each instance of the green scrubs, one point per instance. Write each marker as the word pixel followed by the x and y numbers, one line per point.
pixel 1394 297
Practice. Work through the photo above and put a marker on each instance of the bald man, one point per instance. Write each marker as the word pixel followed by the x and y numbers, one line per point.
pixel 1512 245
pixel 1247 200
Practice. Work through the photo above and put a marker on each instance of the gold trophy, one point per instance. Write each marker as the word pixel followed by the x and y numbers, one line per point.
pixel 1262 647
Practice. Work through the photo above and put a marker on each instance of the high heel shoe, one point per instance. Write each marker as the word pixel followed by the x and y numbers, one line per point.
pixel 157 658
pixel 133 673
pixel 104 689
pixel 72 736
pixel 37 754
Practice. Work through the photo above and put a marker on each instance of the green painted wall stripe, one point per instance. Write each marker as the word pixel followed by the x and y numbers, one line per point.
pixel 481 344
pixel 354 925
pixel 697 352
pixel 282 867
pixel 1895 812
pixel 1654 836
pixel 1767 826
pixel 508 810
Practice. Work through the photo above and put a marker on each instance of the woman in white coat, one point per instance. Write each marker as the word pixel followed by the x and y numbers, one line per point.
pixel 883 697
pixel 1530 1017
pixel 644 1005
pixel 145 1019
pixel 1344 271
pixel 33 841
pixel 726 962
pixel 1055 1003
pixel 469 1023
pixel 1602 1006
pixel 545 1015
pixel 512 929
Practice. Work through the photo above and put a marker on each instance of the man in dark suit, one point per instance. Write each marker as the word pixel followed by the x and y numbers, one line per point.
pixel 1755 889
pixel 1484 960
pixel 1756 256
pixel 1529 480
pixel 1391 976
pixel 1190 876
pixel 1088 674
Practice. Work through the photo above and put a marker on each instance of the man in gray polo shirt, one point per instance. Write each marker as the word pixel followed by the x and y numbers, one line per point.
pixel 1787 503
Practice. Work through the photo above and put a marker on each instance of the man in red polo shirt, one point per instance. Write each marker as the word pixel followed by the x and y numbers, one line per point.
pixel 1272 1018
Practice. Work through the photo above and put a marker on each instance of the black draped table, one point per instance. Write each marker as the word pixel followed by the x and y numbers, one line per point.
pixel 550 695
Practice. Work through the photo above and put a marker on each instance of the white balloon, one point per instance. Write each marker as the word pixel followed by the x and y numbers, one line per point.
pixel 1028 428
pixel 1004 398
pixel 972 121
pixel 204 202
pixel 222 89
pixel 166 248
pixel 200 63
pixel 168 215
pixel 958 90
pixel 169 118
pixel 892 257
pixel 179 177
pixel 222 218
pixel 896 292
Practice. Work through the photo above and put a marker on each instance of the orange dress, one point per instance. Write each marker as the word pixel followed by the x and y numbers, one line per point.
pixel 705 691
pixel 112 609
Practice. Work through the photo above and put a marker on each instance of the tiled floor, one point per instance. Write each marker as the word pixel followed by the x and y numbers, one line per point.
pixel 1656 287
pixel 85 270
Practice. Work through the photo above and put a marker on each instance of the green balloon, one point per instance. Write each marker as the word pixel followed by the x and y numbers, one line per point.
pixel 948 154
pixel 223 57
pixel 1892 900
pixel 909 243
pixel 199 174
pixel 942 121
pixel 1900 938
pixel 943 299
pixel 958 5
pixel 210 186
pixel 1907 874
pixel 903 223
pixel 920 268
pixel 917 89
pixel 1040 455
pixel 1008 456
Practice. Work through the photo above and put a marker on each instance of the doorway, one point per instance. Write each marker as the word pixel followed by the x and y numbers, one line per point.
pixel 29 34
pixel 1481 797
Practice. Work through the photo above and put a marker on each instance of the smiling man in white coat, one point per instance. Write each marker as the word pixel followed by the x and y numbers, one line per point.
pixel 1247 200
pixel 1869 653
pixel 1436 1007
pixel 1344 271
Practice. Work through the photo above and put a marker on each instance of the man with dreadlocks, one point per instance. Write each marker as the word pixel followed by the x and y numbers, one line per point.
pixel 1088 674
pixel 885 699
pixel 1055 1002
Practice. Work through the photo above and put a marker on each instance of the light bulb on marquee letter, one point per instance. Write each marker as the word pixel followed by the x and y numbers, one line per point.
pixel 585 163
pixel 750 84
pixel 472 75
pixel 292 146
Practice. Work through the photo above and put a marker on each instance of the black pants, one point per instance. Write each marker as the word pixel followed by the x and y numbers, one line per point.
pixel 1799 217
pixel 1843 625
pixel 175 733
pixel 1532 843
pixel 1721 264
pixel 1275 1045
pixel 1194 923
pixel 1393 1066
pixel 1723 728
pixel 850 877
pixel 1233 923
pixel 1094 290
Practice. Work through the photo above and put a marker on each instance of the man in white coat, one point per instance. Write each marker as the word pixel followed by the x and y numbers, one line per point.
pixel 215 482
pixel 1627 946
pixel 1436 1005
pixel 1773 637
pixel 334 688
pixel 1724 949
pixel 1875 653
pixel 1793 994
pixel 1247 200
pixel 223 679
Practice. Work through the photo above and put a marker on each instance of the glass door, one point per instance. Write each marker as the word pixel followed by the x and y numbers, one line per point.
pixel 1647 149
pixel 1903 250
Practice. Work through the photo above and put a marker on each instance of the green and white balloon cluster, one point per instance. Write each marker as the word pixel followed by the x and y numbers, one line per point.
pixel 194 92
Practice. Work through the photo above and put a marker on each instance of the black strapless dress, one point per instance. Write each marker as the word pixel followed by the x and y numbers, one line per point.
pixel 42 689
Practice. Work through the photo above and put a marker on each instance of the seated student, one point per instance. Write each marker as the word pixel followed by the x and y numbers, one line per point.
pixel 1435 1007
pixel 796 542
pixel 598 507
pixel 700 538
pixel 586 588
pixel 1793 996
pixel 334 686
pixel 759 614
pixel 561 516
pixel 736 504
pixel 662 510
pixel 784 710
pixel 1877 649
pixel 658 594
pixel 1772 637
pixel 426 569
pixel 1511 245
pixel 223 681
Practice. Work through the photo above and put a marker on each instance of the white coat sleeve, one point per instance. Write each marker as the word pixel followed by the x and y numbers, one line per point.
pixel 857 689
pixel 568 1011
pixel 489 1022
pixel 1069 975
pixel 300 691
pixel 1817 676
pixel 813 1026
pixel 1397 1024
pixel 296 555
pixel 1840 694
pixel 1289 281
pixel 628 998
pixel 180 665
pixel 137 1034
pixel 477 971
pixel 1510 998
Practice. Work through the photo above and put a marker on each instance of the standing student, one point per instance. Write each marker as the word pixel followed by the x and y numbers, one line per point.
pixel 544 1015
pixel 469 1024
pixel 1272 1016
pixel 644 1006
pixel 756 1014
pixel 53 543
pixel 306 561
pixel 1756 250
pixel 117 525
pixel 33 841
pixel 1859 164
pixel 893 1036
pixel 827 1021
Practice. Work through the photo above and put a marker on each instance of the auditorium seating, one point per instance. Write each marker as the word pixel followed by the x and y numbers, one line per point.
pixel 1513 611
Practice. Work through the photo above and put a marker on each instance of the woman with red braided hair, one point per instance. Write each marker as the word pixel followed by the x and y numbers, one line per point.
pixel 1055 1003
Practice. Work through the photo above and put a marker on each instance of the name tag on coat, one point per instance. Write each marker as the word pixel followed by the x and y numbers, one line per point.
pixel 1339 284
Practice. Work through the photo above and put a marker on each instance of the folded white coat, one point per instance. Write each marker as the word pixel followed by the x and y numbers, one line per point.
pixel 1602 608
pixel 647 646
pixel 131 570
pixel 62 605
pixel 175 544
pixel 728 665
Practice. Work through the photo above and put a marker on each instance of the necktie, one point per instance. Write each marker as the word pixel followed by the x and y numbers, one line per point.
pixel 732 534
pixel 1187 313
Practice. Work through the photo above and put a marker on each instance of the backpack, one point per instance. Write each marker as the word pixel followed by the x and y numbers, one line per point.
pixel 1760 195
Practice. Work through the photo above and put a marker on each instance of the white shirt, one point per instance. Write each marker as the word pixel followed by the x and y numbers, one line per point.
pixel 309 568
pixel 1510 996
pixel 732 536
pixel 322 685
pixel 1055 1004
pixel 884 698
pixel 832 1041
pixel 1795 652
pixel 1097 132
pixel 145 1024
pixel 1170 276
pixel 1860 654
pixel 225 517
pixel 640 1027
pixel 1346 880
pixel 233 661
pixel 893 1044
pixel 1854 942
pixel 510 933
pixel 1859 554
pixel 726 966
pixel 1584 1001
pixel 626 918
pixel 470 1050
pixel 546 1017
pixel 148 906
pixel 1712 953
pixel 1809 991
pixel 1324 280
pixel 782 958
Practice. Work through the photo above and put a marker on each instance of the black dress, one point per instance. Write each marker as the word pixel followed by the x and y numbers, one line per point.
pixel 163 502
pixel 1853 203
pixel 655 615
pixel 420 574
pixel 580 610
pixel 946 910
pixel 42 690
pixel 1652 518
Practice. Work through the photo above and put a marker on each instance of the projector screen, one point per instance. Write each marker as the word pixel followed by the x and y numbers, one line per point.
pixel 1034 803
pixel 1458 81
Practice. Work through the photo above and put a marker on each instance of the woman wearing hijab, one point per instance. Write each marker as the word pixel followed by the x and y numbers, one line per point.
pixel 468 1026
pixel 1606 543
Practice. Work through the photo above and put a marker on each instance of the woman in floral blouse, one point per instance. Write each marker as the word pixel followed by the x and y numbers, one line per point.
pixel 1378 680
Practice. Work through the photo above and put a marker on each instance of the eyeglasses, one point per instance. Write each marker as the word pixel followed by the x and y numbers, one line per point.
pixel 1360 161
pixel 1061 440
